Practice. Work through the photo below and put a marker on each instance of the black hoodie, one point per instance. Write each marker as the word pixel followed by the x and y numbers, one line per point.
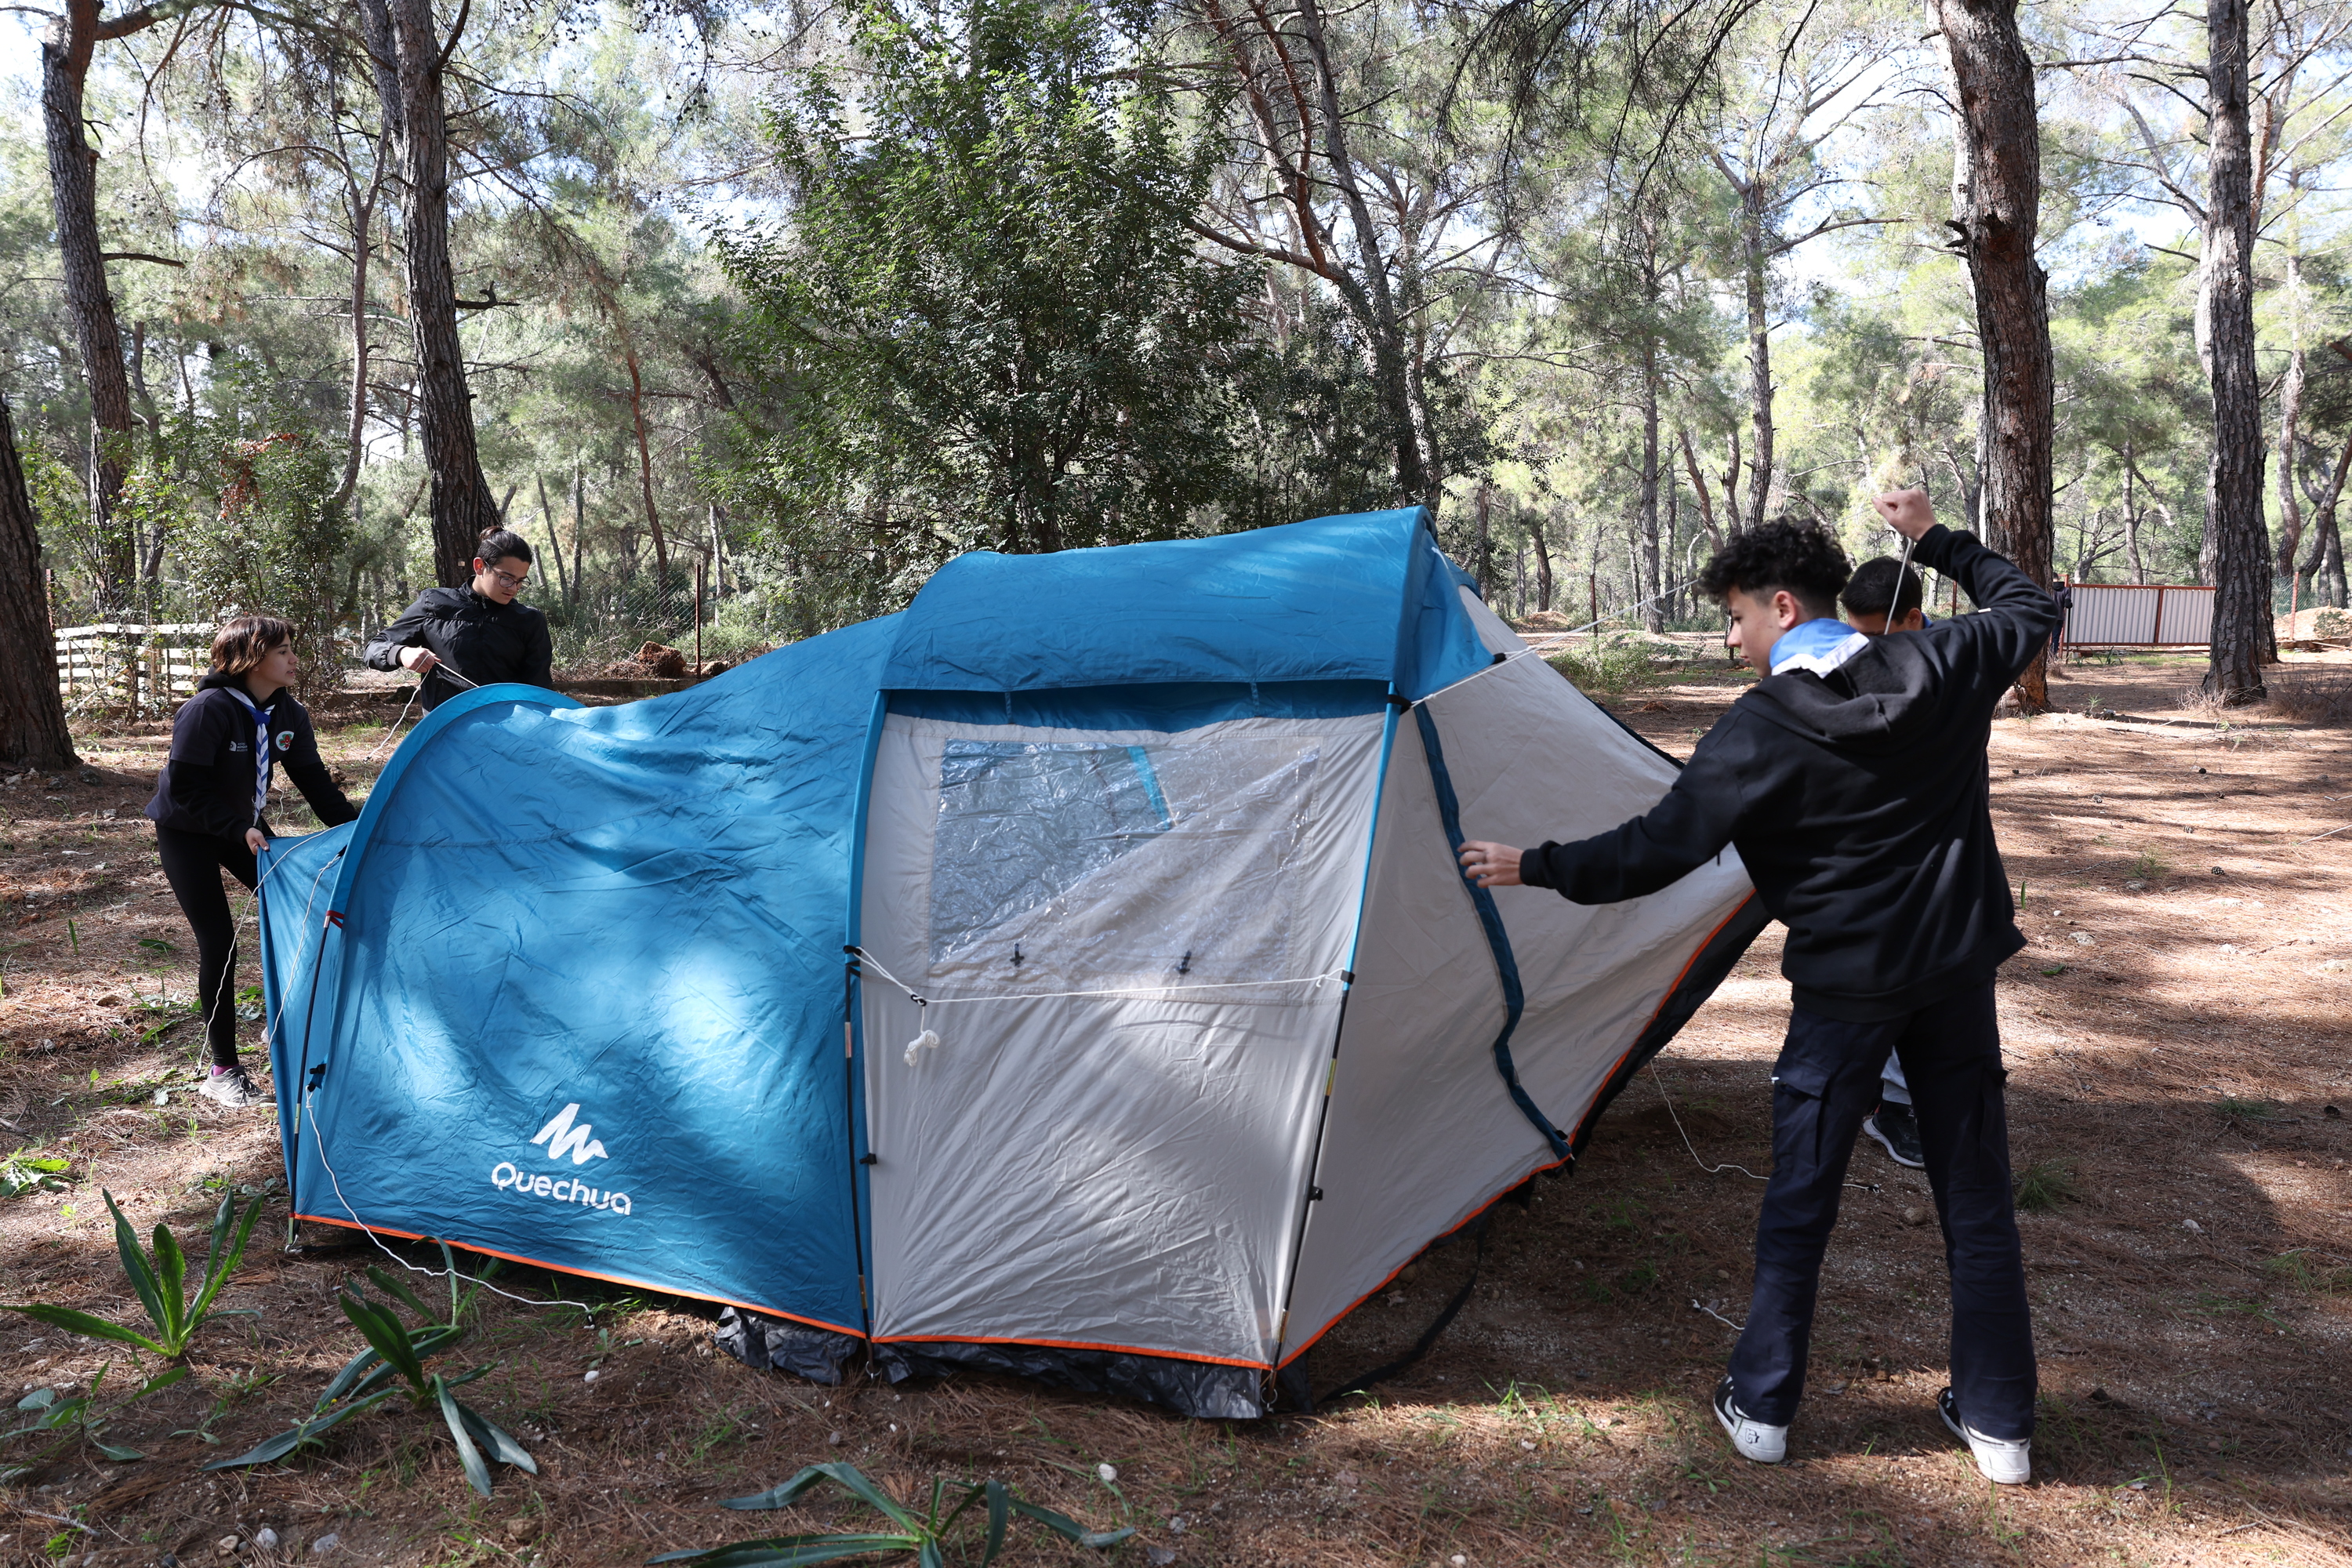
pixel 208 786
pixel 1858 801
pixel 484 641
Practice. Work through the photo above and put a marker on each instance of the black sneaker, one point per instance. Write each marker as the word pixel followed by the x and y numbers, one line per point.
pixel 231 1085
pixel 1897 1131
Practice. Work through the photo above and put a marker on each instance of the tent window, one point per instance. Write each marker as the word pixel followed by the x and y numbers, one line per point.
pixel 1020 823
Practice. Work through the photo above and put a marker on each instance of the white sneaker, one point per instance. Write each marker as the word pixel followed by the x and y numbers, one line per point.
pixel 230 1086
pixel 2006 1460
pixel 1755 1440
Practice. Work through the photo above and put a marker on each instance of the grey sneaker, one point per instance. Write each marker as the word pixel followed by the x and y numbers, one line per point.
pixel 2007 1460
pixel 231 1085
pixel 1897 1128
pixel 1754 1439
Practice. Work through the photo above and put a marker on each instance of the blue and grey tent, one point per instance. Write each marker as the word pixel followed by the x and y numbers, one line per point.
pixel 1067 975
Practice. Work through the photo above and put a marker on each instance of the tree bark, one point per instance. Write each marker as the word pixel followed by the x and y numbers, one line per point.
pixel 2131 520
pixel 2243 640
pixel 1760 349
pixel 32 714
pixel 73 193
pixel 1653 614
pixel 1998 220
pixel 407 60
pixel 1543 560
pixel 645 455
pixel 1388 368
pixel 1698 488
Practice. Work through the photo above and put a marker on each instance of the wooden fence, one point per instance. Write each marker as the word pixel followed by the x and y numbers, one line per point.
pixel 140 667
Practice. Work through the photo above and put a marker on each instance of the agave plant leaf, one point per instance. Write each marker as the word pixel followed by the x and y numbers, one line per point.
pixel 227 1252
pixel 172 1287
pixel 120 1455
pixel 390 1340
pixel 161 1381
pixel 791 1550
pixel 392 1285
pixel 929 1554
pixel 286 1442
pixel 1061 1524
pixel 495 1440
pixel 66 1318
pixel 783 1496
pixel 142 1278
pixel 1000 1515
pixel 478 1474
pixel 854 1481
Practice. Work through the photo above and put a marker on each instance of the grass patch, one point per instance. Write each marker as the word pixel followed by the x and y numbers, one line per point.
pixel 2305 1271
pixel 2044 1184
pixel 1609 667
pixel 2231 1108
pixel 2148 865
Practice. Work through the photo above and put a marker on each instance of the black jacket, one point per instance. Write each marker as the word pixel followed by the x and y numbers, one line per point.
pixel 481 639
pixel 208 784
pixel 1858 802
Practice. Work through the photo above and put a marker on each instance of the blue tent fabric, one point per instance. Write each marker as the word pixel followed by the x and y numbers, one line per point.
pixel 1365 597
pixel 634 912
pixel 571 991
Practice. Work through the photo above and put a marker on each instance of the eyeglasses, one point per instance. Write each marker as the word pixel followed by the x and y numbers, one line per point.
pixel 513 583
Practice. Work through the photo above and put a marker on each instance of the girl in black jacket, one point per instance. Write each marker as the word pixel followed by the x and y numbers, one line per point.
pixel 477 633
pixel 208 809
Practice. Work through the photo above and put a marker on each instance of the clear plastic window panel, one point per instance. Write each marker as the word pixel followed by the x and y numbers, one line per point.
pixel 1076 864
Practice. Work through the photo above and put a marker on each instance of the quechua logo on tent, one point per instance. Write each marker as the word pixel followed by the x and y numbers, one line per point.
pixel 563 1135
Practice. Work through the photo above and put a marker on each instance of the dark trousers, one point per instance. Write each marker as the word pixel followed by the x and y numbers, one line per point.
pixel 193 863
pixel 1825 1083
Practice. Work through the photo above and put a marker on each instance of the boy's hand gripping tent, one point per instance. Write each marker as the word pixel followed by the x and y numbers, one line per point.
pixel 1069 975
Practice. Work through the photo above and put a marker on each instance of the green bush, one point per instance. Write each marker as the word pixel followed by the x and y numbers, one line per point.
pixel 1607 667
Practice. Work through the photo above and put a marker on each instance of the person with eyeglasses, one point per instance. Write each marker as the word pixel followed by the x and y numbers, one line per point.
pixel 479 634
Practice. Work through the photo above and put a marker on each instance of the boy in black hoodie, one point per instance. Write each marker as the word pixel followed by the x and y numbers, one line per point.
pixel 1852 780
pixel 208 803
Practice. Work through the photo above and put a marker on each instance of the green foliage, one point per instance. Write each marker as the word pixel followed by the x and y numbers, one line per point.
pixel 248 503
pixel 22 1173
pixel 1609 668
pixel 927 1534
pixel 59 1423
pixel 2044 1184
pixel 988 318
pixel 392 1365
pixel 162 1283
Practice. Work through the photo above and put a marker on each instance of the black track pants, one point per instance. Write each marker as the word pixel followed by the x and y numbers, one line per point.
pixel 193 863
pixel 1823 1085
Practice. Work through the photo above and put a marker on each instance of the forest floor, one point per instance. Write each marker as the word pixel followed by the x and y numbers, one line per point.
pixel 2178 1033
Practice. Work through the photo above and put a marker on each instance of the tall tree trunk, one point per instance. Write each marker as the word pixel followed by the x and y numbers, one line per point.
pixel 1389 370
pixel 2131 520
pixel 1997 230
pixel 554 545
pixel 32 714
pixel 362 230
pixel 2325 563
pixel 644 459
pixel 1483 553
pixel 2243 640
pixel 1653 614
pixel 1543 560
pixel 2291 408
pixel 73 193
pixel 407 60
pixel 1731 484
pixel 1760 348
pixel 579 527
pixel 1698 488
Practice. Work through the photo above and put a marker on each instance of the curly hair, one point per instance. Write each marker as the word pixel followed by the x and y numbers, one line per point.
pixel 1801 557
